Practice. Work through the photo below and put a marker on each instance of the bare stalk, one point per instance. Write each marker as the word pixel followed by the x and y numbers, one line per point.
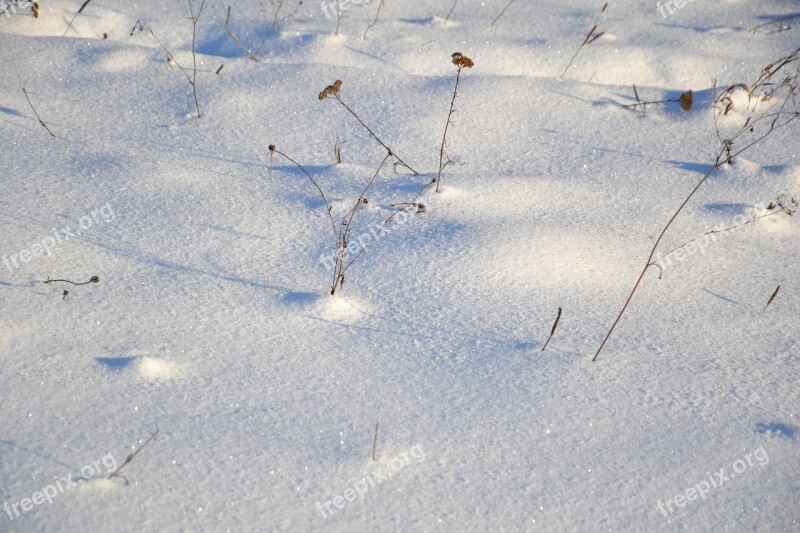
pixel 35 113
pixel 377 14
pixel 498 16
pixel 333 91
pixel 460 61
pixel 589 39
pixel 83 6
pixel 130 457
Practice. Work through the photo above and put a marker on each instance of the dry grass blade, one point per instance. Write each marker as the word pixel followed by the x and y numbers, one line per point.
pixel 771 298
pixel 501 13
pixel 35 113
pixel 83 6
pixel 590 38
pixel 553 330
pixel 130 458
pixel 378 14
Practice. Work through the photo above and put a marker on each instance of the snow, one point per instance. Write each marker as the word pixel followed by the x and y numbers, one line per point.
pixel 212 320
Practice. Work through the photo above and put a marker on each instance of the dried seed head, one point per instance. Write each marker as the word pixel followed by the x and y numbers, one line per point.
pixel 95 279
pixel 460 60
pixel 331 89
pixel 271 147
pixel 686 100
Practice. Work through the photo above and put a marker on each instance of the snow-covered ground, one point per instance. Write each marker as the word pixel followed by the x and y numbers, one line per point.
pixel 212 318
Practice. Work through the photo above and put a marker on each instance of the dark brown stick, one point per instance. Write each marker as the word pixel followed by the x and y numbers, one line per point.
pixel 130 457
pixel 553 331
pixel 774 294
pixel 37 114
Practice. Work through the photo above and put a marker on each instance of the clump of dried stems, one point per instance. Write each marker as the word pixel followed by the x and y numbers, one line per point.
pixel 772 104
pixel 342 231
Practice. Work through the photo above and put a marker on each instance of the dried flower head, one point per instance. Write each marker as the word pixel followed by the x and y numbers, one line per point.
pixel 95 279
pixel 35 10
pixel 686 100
pixel 272 148
pixel 331 89
pixel 460 60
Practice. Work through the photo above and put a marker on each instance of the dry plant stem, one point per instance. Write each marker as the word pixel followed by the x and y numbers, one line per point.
pixel 319 189
pixel 400 161
pixel 37 114
pixel 553 331
pixel 451 11
pixel 386 223
pixel 93 279
pixel 130 457
pixel 194 52
pixel 780 25
pixel 771 298
pixel 501 13
pixel 343 237
pixel 191 78
pixel 726 155
pixel 374 21
pixel 375 443
pixel 589 39
pixel 232 36
pixel 442 162
pixel 712 232
pixel 83 6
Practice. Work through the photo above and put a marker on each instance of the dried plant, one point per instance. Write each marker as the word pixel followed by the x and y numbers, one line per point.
pixel 589 39
pixel 771 298
pixel 776 26
pixel 80 10
pixel 333 91
pixel 501 13
pixel 276 19
pixel 781 205
pixel 377 14
pixel 461 61
pixel 452 8
pixel 685 100
pixel 130 458
pixel 190 77
pixel 772 104
pixel 25 92
pixel 553 330
pixel 342 232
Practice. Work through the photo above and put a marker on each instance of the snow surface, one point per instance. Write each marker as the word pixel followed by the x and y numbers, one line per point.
pixel 212 319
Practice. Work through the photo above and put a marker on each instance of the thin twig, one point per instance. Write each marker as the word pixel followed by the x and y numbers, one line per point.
pixel 501 13
pixel 553 331
pixel 333 90
pixel 451 11
pixel 194 52
pixel 774 294
pixel 86 3
pixel 328 209
pixel 374 21
pixel 93 279
pixel 37 114
pixel 375 442
pixel 589 39
pixel 781 25
pixel 130 457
